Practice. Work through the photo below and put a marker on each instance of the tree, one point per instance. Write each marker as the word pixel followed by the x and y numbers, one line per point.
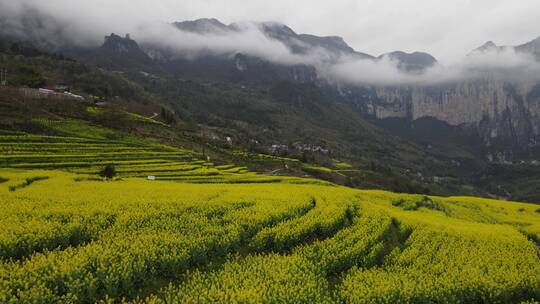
pixel 26 75
pixel 168 116
pixel 109 171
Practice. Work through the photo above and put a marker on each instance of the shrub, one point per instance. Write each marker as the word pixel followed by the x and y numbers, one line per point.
pixel 412 205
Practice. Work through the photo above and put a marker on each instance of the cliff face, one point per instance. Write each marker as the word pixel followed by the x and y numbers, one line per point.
pixel 507 115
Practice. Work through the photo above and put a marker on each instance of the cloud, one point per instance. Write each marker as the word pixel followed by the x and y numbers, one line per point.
pixel 498 59
pixel 505 64
pixel 249 40
pixel 59 26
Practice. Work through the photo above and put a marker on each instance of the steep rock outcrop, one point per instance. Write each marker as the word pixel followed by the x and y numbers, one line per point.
pixel 506 114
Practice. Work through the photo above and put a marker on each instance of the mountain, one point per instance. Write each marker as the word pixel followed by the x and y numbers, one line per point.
pixel 333 43
pixel 203 26
pixel 297 43
pixel 122 52
pixel 305 43
pixel 411 62
pixel 117 53
pixel 117 46
pixel 531 47
pixel 507 115
pixel 488 46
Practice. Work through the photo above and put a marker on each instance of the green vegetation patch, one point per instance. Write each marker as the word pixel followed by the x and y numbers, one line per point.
pixel 77 128
pixel 138 117
pixel 27 182
pixel 316 169
pixel 415 204
pixel 342 165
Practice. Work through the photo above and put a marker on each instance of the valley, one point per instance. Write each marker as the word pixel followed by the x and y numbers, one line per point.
pixel 199 161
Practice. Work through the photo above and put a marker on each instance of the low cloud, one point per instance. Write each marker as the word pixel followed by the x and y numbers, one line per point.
pixel 505 63
pixel 248 40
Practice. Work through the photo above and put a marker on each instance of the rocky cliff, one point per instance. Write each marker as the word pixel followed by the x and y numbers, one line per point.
pixel 507 115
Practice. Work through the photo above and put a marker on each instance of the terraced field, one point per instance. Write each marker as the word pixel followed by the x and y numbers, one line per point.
pixel 202 233
pixel 85 149
pixel 70 241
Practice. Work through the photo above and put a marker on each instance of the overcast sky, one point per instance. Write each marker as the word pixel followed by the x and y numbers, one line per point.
pixel 446 29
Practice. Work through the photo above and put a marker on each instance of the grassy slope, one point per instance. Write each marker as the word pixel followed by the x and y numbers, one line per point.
pixel 113 129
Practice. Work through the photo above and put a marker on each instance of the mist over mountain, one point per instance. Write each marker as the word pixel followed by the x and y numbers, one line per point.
pixel 277 43
pixel 412 62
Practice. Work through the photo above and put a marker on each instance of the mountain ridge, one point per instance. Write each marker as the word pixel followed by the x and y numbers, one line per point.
pixel 474 103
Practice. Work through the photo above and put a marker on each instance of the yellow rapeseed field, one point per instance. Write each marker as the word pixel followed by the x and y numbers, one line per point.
pixel 67 239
